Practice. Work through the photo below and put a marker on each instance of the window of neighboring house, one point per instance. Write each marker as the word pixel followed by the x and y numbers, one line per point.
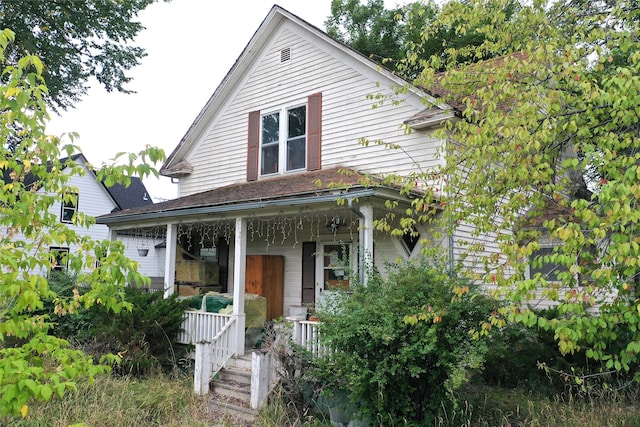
pixel 548 270
pixel 69 207
pixel 59 258
pixel 283 143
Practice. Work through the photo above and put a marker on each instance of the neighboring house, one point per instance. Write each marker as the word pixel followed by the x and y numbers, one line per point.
pixel 94 198
pixel 255 170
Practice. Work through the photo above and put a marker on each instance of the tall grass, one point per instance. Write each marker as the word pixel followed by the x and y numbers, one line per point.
pixel 122 402
pixel 498 407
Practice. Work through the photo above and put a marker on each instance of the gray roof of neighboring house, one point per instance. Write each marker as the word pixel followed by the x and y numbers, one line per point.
pixel 130 197
pixel 134 196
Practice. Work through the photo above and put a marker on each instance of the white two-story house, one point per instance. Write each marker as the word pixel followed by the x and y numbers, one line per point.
pixel 257 169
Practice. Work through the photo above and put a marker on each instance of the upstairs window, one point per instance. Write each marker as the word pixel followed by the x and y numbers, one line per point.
pixel 288 139
pixel 283 139
pixel 69 207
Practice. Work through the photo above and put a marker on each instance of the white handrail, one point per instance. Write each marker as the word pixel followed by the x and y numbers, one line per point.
pixel 212 354
pixel 201 326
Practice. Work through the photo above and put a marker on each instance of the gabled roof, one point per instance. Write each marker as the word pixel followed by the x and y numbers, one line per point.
pixel 302 188
pixel 124 197
pixel 130 197
pixel 174 165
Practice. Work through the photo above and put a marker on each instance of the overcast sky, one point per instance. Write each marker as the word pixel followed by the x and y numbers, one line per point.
pixel 191 45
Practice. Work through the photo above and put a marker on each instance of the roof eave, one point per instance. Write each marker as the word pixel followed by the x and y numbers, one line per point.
pixel 431 122
pixel 331 196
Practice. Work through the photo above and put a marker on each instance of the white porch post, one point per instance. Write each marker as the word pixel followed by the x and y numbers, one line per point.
pixel 170 261
pixel 366 225
pixel 239 264
pixel 110 234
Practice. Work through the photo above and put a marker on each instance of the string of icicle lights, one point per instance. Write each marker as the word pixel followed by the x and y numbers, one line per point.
pixel 277 229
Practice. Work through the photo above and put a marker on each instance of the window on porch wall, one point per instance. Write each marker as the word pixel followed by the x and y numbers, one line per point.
pixel 336 267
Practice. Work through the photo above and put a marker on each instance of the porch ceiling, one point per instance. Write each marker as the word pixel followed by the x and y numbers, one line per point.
pixel 296 189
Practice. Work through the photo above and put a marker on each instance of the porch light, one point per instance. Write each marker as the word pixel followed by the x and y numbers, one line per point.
pixel 335 224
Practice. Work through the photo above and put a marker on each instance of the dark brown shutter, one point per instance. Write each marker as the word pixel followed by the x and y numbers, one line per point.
pixel 314 132
pixel 253 145
pixel 308 272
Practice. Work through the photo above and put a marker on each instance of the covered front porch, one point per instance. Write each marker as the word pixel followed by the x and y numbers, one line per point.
pixel 307 243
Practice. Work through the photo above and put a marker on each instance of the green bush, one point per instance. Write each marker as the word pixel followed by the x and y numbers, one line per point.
pixel 145 336
pixel 516 355
pixel 74 325
pixel 403 345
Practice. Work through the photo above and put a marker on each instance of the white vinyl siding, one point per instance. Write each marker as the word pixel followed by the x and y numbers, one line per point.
pixel 219 156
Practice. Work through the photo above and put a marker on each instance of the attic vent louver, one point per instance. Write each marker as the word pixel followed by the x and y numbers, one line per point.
pixel 285 54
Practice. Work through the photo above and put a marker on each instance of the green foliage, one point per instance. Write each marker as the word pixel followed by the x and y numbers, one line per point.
pixel 145 336
pixel 76 40
pixel 34 363
pixel 390 36
pixel 546 149
pixel 124 402
pixel 402 345
pixel 371 29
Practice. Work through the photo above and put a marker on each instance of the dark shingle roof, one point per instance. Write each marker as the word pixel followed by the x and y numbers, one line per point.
pixel 476 76
pixel 130 197
pixel 309 184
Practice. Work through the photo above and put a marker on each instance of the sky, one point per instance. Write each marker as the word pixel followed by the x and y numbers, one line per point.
pixel 191 45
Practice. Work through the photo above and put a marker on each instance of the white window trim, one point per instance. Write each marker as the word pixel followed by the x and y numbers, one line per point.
pixel 64 208
pixel 60 249
pixel 282 138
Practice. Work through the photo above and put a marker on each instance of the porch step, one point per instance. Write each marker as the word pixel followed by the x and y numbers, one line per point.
pixel 233 411
pixel 242 362
pixel 233 382
pixel 231 392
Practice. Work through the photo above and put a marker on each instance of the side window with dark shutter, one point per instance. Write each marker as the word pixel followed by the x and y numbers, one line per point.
pixel 253 145
pixel 314 132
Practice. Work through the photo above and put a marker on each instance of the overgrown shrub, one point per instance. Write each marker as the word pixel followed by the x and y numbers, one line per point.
pixel 529 358
pixel 402 345
pixel 145 336
pixel 67 325
pixel 295 368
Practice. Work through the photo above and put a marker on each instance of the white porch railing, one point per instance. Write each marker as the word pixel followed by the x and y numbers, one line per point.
pixel 307 335
pixel 211 356
pixel 200 326
pixel 212 334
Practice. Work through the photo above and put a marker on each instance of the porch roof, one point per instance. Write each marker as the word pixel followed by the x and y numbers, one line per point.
pixel 302 188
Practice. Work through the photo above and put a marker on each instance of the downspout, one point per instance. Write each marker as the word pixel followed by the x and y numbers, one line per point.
pixel 360 240
pixel 450 234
